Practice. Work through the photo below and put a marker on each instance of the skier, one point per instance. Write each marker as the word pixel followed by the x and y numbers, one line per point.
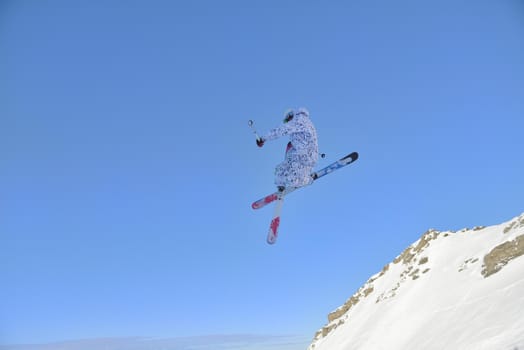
pixel 301 152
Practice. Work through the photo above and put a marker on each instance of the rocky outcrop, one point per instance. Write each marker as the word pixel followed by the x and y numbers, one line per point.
pixel 501 255
pixel 411 259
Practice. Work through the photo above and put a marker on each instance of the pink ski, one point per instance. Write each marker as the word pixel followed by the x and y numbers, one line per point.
pixel 264 201
pixel 275 223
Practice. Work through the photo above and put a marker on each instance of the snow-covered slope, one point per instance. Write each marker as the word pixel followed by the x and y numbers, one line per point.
pixel 449 290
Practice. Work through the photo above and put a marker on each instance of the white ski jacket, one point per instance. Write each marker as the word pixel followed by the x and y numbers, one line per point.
pixel 302 134
pixel 302 156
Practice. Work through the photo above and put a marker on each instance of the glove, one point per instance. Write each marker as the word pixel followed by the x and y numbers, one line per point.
pixel 289 116
pixel 260 142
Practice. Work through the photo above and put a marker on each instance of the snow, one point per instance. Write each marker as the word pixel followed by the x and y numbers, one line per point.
pixel 438 295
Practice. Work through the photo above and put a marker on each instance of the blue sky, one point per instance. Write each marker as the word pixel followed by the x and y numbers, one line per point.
pixel 128 168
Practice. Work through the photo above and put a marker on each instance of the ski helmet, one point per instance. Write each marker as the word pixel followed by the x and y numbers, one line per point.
pixel 289 115
pixel 303 111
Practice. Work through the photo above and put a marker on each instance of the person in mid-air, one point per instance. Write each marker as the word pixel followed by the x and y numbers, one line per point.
pixel 301 152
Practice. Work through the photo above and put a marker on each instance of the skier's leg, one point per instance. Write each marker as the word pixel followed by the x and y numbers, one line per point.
pixel 283 174
pixel 299 172
pixel 280 174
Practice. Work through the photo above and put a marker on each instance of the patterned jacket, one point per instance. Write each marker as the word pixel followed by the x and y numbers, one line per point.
pixel 302 134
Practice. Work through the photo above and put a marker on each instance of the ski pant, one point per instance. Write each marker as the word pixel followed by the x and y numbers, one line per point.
pixel 296 169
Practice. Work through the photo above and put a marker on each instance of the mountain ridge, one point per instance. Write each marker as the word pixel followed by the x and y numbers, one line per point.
pixel 443 276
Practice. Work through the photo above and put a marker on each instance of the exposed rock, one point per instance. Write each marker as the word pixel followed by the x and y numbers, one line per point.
pixel 499 256
pixel 515 224
pixel 467 263
pixel 423 260
pixel 407 256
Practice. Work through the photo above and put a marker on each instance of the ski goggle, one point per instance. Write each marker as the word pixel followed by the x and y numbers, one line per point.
pixel 289 116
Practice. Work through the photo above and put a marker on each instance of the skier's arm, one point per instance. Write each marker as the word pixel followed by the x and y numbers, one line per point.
pixel 284 129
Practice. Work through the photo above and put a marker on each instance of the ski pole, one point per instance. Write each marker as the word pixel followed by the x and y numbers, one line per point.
pixel 250 123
